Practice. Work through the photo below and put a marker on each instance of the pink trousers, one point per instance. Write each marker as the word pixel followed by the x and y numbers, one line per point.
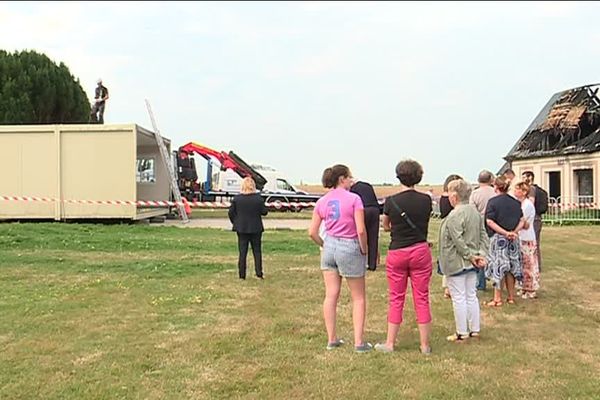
pixel 412 262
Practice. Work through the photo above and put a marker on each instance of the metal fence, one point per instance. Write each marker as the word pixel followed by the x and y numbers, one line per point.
pixel 561 210
pixel 572 209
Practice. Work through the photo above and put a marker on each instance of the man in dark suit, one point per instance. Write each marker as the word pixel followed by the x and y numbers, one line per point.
pixel 372 212
pixel 245 214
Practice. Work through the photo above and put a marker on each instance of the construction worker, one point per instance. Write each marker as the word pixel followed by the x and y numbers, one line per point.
pixel 100 97
pixel 186 172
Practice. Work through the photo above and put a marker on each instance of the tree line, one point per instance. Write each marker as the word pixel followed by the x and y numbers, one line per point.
pixel 35 90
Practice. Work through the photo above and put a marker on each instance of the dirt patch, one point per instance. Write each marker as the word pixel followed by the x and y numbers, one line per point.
pixel 584 294
pixel 588 241
pixel 6 338
pixel 207 374
pixel 589 298
pixel 88 358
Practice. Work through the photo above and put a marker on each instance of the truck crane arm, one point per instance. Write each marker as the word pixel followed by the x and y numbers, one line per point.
pixel 228 161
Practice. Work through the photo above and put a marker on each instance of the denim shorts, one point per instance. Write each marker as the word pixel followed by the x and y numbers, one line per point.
pixel 343 255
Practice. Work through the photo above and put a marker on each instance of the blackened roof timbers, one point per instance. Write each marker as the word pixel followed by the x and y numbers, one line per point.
pixel 568 124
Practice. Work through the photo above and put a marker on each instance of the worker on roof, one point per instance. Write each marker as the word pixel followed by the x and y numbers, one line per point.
pixel 99 104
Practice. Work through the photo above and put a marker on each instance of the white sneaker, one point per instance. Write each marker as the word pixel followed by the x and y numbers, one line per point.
pixel 381 347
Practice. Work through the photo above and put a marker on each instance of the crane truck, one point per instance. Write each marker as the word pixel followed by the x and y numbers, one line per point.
pixel 272 188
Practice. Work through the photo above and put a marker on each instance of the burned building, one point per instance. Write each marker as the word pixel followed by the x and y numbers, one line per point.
pixel 562 146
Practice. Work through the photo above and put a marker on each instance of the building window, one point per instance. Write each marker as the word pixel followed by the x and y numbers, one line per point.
pixel 554 185
pixel 584 185
pixel 145 170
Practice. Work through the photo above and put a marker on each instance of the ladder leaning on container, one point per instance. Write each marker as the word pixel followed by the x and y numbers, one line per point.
pixel 169 165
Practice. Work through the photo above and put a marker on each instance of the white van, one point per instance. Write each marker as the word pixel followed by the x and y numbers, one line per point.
pixel 230 181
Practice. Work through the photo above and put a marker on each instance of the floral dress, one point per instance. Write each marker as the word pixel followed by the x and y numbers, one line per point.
pixel 504 257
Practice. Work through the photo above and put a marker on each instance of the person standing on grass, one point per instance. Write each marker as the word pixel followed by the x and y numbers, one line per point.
pixel 344 252
pixel 539 197
pixel 445 208
pixel 463 247
pixel 509 176
pixel 245 214
pixel 369 198
pixel 479 198
pixel 445 205
pixel 504 219
pixel 531 271
pixel 406 216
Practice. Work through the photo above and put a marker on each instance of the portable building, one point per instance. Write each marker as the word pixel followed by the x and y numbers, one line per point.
pixel 80 172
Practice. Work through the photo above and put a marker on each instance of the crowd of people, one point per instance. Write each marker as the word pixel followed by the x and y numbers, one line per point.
pixel 490 234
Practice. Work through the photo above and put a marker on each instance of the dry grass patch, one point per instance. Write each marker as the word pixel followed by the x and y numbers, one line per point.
pixel 88 358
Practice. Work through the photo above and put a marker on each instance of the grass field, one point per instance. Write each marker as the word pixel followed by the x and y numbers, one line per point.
pixel 141 312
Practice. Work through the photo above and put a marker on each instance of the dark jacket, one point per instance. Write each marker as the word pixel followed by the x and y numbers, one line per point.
pixel 366 192
pixel 445 206
pixel 245 213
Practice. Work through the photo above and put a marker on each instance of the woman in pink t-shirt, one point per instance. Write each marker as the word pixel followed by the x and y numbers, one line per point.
pixel 344 252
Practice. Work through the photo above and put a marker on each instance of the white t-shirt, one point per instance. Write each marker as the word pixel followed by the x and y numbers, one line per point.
pixel 322 230
pixel 529 214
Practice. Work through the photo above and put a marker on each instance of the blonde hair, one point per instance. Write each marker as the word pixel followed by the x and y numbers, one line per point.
pixel 524 186
pixel 248 185
pixel 461 188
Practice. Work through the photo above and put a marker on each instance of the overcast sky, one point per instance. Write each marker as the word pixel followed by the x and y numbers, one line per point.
pixel 301 86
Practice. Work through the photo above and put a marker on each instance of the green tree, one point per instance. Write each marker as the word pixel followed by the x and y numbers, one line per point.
pixel 34 90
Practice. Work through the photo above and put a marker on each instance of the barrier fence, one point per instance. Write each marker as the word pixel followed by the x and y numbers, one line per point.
pixel 148 203
pixel 572 209
pixel 560 209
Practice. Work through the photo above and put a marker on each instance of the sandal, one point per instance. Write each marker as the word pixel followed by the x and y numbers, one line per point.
pixel 529 295
pixel 456 337
pixel 474 335
pixel 494 303
pixel 510 301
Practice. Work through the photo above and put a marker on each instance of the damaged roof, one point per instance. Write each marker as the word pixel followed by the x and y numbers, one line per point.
pixel 568 124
